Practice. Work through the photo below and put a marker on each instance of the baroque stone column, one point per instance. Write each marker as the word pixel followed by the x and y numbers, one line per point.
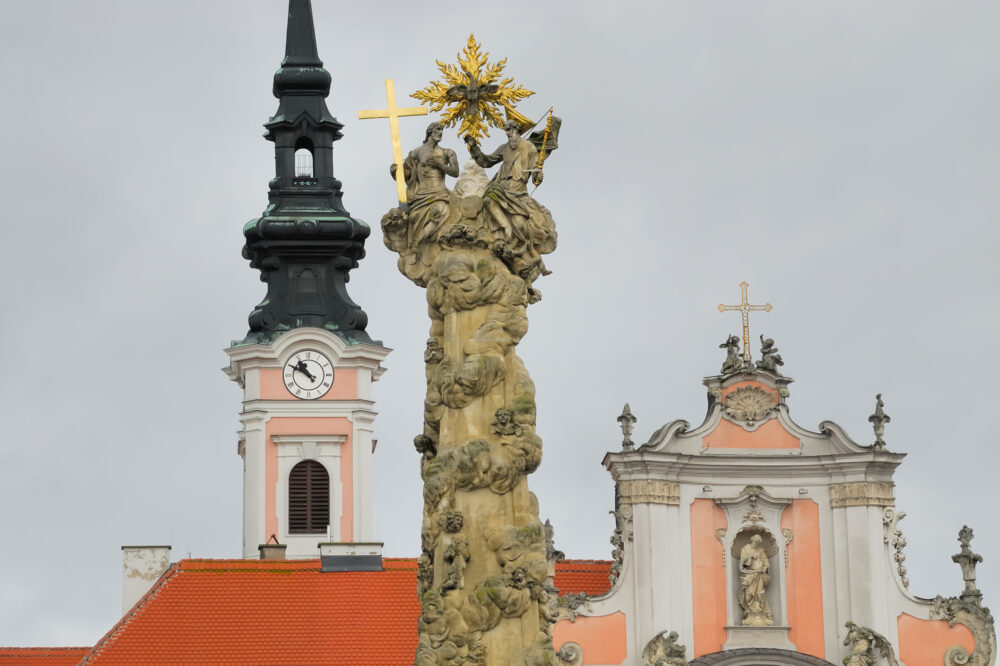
pixel 483 565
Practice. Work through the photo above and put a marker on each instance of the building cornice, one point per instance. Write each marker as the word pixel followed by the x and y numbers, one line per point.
pixel 686 468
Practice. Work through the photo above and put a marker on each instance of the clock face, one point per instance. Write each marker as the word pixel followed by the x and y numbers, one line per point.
pixel 308 374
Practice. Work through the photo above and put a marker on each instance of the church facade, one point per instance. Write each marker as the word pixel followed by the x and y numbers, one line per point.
pixel 751 540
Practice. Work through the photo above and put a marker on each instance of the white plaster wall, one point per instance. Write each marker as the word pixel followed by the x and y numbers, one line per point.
pixel 293 449
pixel 253 441
pixel 142 566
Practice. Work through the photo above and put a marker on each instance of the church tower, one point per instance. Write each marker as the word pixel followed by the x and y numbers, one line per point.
pixel 306 366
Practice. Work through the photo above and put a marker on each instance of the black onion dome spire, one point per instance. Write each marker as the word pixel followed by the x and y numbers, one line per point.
pixel 305 242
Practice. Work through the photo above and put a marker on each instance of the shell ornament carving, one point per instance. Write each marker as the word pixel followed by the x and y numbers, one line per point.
pixel 749 403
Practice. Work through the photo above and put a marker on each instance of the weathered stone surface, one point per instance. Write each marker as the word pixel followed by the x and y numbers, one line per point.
pixel 876 493
pixel 482 573
pixel 650 491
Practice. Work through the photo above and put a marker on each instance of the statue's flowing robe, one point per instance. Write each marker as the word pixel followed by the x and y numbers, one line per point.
pixel 527 224
pixel 425 218
pixel 753 580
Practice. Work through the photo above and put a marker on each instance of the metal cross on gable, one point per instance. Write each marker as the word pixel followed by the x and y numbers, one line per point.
pixel 745 308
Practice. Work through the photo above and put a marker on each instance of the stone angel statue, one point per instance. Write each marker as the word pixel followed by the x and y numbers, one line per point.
pixel 770 359
pixel 664 650
pixel 733 360
pixel 864 643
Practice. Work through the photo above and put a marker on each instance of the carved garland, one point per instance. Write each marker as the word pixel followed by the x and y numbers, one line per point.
pixel 720 534
pixel 894 537
pixel 622 534
pixel 788 534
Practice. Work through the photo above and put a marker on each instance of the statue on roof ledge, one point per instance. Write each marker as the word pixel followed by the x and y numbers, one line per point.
pixel 770 359
pixel 733 360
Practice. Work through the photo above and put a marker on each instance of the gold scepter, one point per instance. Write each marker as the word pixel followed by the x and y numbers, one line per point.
pixel 545 140
pixel 542 152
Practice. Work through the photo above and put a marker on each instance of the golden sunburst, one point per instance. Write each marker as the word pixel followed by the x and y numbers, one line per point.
pixel 472 94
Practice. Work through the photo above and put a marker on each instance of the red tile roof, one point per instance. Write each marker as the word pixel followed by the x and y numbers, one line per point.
pixel 37 656
pixel 278 612
pixel 269 612
pixel 590 576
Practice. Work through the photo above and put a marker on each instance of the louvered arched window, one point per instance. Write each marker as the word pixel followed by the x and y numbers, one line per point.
pixel 308 498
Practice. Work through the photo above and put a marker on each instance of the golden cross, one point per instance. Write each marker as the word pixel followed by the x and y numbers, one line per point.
pixel 394 113
pixel 745 309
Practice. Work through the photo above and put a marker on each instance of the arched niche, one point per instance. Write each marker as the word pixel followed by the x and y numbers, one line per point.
pixel 774 589
pixel 758 657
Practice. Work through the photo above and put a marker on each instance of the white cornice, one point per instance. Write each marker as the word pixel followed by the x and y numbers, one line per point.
pixel 298 439
pixel 676 436
pixel 329 408
pixel 686 468
pixel 246 357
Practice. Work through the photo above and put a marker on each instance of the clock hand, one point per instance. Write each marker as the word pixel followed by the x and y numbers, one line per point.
pixel 301 367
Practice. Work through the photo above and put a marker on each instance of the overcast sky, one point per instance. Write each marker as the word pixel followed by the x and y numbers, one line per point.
pixel 840 156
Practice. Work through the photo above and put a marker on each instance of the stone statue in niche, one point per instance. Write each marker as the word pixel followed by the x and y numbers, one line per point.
pixel 754 579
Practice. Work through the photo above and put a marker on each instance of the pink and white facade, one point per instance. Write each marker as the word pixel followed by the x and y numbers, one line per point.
pixel 280 429
pixel 689 500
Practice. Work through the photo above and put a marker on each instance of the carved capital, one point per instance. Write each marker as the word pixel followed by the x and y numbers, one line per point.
pixel 649 491
pixel 875 493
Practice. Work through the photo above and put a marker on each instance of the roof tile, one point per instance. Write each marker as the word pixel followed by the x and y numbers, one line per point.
pixel 284 612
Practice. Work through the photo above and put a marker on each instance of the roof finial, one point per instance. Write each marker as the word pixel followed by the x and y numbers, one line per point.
pixel 878 421
pixel 968 561
pixel 300 40
pixel 627 421
pixel 301 69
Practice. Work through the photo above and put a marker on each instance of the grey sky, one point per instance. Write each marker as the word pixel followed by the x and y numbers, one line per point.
pixel 840 156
